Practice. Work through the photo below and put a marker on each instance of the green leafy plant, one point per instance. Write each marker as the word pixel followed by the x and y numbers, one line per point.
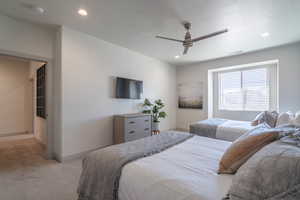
pixel 155 109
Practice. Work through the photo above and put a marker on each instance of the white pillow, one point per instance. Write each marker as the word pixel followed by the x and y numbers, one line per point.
pixel 267 117
pixel 285 118
pixel 296 121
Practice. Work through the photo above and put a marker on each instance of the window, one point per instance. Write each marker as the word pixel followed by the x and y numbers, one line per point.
pixel 247 89
pixel 41 92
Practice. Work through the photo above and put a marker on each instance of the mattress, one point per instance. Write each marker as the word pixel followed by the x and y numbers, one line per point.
pixel 187 171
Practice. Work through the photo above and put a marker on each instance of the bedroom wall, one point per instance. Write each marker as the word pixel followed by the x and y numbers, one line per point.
pixel 88 69
pixel 16 114
pixel 26 38
pixel 289 71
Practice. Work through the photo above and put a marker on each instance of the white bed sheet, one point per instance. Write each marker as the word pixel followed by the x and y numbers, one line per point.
pixel 232 129
pixel 187 171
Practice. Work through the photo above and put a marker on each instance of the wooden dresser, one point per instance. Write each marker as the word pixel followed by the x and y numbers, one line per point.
pixel 130 127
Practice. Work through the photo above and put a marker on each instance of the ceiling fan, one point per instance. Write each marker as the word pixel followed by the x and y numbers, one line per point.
pixel 188 41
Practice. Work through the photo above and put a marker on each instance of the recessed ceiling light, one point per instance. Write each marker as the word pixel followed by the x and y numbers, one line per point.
pixel 33 8
pixel 266 34
pixel 39 10
pixel 82 12
pixel 176 57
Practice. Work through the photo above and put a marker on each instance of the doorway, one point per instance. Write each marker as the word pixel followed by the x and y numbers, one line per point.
pixel 23 116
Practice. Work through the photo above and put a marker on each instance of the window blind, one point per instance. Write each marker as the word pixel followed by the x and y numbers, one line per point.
pixel 244 90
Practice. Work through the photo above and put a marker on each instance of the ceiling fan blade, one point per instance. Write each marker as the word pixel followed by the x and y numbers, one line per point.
pixel 185 50
pixel 166 38
pixel 209 35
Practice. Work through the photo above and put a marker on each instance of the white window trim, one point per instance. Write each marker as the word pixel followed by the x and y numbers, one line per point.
pixel 211 73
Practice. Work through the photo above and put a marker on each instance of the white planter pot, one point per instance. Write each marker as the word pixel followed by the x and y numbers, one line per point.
pixel 155 126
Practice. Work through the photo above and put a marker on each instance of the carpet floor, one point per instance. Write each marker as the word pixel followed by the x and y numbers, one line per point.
pixel 26 175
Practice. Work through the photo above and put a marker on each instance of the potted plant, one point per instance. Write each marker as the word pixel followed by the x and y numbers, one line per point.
pixel 156 110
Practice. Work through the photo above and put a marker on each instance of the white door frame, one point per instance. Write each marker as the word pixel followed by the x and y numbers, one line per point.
pixel 49 154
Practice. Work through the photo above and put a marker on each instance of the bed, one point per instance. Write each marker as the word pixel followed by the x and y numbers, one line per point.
pixel 182 166
pixel 186 171
pixel 222 129
pixel 182 170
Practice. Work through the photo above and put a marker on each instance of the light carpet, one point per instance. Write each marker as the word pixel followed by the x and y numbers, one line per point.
pixel 26 175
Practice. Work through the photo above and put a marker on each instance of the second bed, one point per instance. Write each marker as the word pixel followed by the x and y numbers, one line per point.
pixel 222 129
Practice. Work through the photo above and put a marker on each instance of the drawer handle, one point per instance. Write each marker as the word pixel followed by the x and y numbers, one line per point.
pixel 131 132
pixel 146 129
pixel 146 120
pixel 132 122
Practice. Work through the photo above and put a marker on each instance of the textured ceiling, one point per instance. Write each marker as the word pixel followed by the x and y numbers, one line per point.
pixel 134 23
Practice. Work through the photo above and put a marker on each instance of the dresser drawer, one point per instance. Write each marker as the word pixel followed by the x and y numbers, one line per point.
pixel 146 120
pixel 131 123
pixel 136 120
pixel 132 135
pixel 137 134
pixel 137 128
pixel 138 123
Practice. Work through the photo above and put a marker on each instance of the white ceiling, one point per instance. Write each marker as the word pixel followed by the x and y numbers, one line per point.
pixel 134 23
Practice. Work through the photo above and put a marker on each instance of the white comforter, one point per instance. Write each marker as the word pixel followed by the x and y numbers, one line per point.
pixel 232 129
pixel 187 171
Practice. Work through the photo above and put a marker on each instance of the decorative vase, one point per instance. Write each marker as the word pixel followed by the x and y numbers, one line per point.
pixel 155 126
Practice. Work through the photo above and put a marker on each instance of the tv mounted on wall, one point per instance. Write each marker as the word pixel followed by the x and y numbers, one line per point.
pixel 129 88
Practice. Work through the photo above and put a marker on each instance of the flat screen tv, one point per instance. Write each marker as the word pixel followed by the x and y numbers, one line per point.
pixel 129 88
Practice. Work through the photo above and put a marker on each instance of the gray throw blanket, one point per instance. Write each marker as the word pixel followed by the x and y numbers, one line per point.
pixel 206 128
pixel 102 169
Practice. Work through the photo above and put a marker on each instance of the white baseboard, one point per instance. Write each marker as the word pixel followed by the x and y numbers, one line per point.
pixel 13 134
pixel 77 155
pixel 182 129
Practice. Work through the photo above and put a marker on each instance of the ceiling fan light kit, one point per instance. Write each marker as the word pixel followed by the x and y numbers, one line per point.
pixel 188 41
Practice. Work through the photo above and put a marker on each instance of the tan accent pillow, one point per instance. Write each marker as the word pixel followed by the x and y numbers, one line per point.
pixel 245 146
